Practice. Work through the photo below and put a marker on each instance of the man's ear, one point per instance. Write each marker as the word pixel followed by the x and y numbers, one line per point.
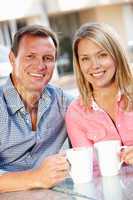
pixel 12 58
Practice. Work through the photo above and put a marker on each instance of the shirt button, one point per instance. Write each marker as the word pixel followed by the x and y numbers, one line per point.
pixel 119 125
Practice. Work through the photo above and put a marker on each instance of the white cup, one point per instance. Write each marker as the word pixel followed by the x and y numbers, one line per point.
pixel 108 156
pixel 81 161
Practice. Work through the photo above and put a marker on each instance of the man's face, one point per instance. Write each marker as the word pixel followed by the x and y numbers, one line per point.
pixel 34 64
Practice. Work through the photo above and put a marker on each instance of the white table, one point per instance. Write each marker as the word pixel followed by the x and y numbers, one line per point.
pixel 118 187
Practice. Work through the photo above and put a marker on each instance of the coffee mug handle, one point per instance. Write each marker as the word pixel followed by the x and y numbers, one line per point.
pixel 69 160
pixel 121 162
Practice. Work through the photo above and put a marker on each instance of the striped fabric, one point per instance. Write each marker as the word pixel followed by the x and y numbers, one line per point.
pixel 20 147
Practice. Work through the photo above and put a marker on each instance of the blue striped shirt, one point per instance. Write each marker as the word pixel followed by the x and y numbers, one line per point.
pixel 20 147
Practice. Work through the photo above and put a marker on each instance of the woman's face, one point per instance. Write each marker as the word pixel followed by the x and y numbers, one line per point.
pixel 97 65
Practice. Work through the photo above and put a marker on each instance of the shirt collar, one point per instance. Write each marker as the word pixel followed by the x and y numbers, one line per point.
pixel 14 101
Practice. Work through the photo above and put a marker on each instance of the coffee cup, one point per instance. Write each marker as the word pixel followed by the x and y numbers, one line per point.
pixel 81 164
pixel 108 156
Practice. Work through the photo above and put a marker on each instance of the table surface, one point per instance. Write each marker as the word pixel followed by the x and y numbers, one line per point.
pixel 118 187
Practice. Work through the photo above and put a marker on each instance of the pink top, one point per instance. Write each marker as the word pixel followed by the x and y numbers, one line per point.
pixel 86 128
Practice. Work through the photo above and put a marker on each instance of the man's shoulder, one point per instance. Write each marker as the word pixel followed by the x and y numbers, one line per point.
pixel 3 105
pixel 59 95
pixel 53 88
pixel 6 86
pixel 1 92
pixel 57 92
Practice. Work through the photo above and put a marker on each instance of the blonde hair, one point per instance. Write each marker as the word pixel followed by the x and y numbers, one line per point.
pixel 106 37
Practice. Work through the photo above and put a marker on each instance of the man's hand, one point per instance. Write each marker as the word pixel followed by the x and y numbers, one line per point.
pixel 53 170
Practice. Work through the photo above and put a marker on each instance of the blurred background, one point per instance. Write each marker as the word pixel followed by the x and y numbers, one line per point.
pixel 64 17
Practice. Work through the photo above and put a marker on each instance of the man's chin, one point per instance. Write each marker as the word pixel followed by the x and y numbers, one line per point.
pixel 36 89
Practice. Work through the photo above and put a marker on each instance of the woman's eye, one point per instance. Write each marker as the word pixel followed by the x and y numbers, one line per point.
pixel 102 55
pixel 85 59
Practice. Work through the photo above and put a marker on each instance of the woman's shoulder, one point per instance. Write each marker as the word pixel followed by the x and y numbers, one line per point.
pixel 76 106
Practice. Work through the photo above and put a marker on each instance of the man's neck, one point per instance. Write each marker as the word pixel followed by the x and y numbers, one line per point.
pixel 30 98
pixel 30 101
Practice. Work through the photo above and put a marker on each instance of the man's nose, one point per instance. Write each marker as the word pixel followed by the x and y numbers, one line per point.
pixel 41 64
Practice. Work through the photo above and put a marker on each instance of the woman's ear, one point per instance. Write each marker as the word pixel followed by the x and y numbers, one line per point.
pixel 12 58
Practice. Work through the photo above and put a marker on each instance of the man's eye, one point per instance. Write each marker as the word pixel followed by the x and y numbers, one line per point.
pixel 49 59
pixel 29 56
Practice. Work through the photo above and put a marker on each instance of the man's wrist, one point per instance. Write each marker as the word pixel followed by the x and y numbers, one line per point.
pixel 36 180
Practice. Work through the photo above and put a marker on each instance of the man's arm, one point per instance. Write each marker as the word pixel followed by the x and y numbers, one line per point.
pixel 53 170
pixel 15 181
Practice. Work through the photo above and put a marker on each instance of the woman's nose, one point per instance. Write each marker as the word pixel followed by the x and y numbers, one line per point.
pixel 95 62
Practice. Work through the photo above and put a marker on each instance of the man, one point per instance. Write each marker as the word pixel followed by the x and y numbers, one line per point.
pixel 32 115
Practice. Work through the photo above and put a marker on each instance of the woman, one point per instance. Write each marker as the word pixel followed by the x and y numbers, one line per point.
pixel 104 110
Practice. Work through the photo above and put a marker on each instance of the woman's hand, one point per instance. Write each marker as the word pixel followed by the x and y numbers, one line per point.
pixel 127 155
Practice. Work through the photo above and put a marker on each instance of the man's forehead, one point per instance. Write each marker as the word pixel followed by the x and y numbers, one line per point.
pixel 29 37
pixel 33 43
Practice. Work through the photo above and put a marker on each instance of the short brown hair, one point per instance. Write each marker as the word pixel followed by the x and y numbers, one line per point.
pixel 34 30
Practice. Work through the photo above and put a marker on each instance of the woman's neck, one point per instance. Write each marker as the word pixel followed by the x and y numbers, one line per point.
pixel 106 99
pixel 104 93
